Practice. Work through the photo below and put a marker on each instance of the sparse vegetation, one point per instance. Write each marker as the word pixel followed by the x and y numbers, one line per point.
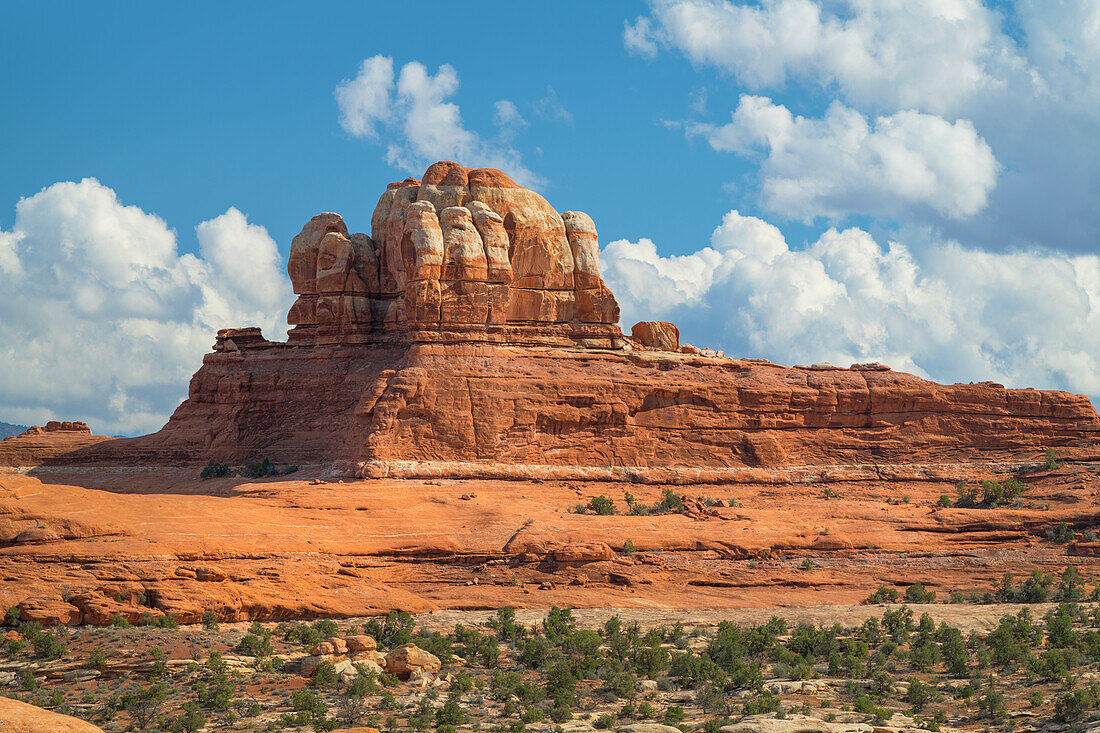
pixel 504 675
pixel 1051 462
pixel 260 468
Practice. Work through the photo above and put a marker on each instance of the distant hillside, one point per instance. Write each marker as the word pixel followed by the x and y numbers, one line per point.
pixel 7 429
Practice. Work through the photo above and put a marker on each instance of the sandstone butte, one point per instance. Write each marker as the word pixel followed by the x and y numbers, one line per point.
pixel 453 383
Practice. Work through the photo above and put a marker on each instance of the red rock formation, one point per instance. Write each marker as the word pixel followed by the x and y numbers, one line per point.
pixel 471 334
pixel 465 255
pixel 40 443
pixel 657 335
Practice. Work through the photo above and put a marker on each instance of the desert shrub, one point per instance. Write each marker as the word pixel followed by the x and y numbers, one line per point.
pixel 534 652
pixel 994 494
pixel 600 505
pixel 884 594
pixel 898 624
pixel 1074 705
pixel 1051 463
pixel 394 629
pixel 437 644
pixel 917 593
pixel 944 500
pixel 628 547
pixel 326 677
pixel 190 720
pixel 991 704
pixel 167 621
pixel 607 721
pixel 49 645
pixel 1070 585
pixel 213 469
pixel 558 625
pixel 210 620
pixel 965 497
pixel 1060 626
pixel 1060 533
pixel 254 645
pixel 306 701
pixel 1036 588
pixel 145 704
pixel 462 682
pixel 674 715
pixel 259 469
pixel 451 713
pixel 671 502
pixel 27 681
pixel 953 650
pixel 919 694
pixel 765 703
pixel 505 625
pixel 1010 642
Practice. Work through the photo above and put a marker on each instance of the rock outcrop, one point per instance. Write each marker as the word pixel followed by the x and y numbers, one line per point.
pixel 408 659
pixel 657 335
pixel 464 255
pixel 470 334
pixel 44 442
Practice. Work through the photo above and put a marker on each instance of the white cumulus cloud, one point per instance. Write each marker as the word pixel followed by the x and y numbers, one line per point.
pixel 938 309
pixel 899 53
pixel 843 163
pixel 416 114
pixel 105 320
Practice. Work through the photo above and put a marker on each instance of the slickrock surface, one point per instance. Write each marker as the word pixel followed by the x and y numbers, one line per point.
pixel 19 717
pixel 135 541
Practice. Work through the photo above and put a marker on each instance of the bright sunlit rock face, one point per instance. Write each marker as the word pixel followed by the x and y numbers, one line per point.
pixel 462 255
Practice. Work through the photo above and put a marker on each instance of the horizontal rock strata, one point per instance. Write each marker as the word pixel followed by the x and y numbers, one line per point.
pixel 471 332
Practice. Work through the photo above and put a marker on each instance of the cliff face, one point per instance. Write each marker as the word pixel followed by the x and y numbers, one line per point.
pixel 472 327
pixel 506 406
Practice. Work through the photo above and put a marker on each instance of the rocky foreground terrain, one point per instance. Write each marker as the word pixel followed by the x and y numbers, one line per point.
pixel 457 429
pixel 883 668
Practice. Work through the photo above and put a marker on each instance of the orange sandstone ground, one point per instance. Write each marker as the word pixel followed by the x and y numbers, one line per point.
pixel 81 544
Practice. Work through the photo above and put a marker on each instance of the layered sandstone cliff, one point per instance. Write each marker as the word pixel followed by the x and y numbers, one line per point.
pixel 472 328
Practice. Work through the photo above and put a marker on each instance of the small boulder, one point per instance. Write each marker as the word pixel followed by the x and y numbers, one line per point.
pixel 209 574
pixel 373 656
pixel 347 671
pixel 369 665
pixel 308 665
pixel 582 552
pixel 324 648
pixel 409 658
pixel 339 645
pixel 361 643
pixel 657 335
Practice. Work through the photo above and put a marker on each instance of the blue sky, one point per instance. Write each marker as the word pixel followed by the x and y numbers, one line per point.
pixel 183 112
pixel 805 180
